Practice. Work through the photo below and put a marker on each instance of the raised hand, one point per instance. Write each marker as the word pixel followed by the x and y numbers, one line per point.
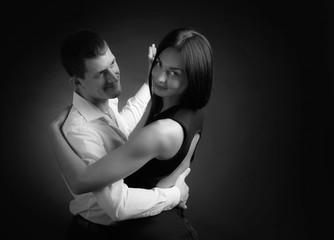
pixel 151 54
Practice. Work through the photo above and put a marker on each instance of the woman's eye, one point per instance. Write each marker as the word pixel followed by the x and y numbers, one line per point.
pixel 173 74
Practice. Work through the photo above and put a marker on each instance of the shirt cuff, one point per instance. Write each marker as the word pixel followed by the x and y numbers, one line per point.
pixel 144 94
pixel 173 196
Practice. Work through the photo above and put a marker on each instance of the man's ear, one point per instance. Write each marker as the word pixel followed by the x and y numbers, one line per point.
pixel 76 82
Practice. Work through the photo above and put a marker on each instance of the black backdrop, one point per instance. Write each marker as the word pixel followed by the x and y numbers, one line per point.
pixel 262 167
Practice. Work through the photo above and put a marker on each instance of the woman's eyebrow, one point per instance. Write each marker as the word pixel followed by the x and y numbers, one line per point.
pixel 172 68
pixel 176 68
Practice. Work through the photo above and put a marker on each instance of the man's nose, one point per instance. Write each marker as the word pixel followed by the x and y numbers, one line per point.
pixel 111 76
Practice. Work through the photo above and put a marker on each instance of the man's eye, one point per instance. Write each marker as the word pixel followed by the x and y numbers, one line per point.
pixel 99 75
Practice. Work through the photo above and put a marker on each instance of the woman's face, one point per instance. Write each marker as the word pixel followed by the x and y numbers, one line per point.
pixel 169 78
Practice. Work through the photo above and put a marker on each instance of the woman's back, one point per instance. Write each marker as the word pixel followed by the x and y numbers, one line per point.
pixel 155 170
pixel 171 224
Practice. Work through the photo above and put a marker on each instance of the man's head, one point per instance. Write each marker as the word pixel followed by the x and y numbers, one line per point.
pixel 91 65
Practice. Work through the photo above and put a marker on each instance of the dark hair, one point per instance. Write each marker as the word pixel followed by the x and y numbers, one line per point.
pixel 197 55
pixel 77 47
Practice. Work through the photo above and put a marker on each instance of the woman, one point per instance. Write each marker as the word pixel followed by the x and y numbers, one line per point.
pixel 180 80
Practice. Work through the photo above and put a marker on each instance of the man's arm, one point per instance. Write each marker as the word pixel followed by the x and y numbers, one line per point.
pixel 135 108
pixel 117 200
pixel 121 202
pixel 133 111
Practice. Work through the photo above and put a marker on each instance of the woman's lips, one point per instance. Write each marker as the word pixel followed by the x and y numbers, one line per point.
pixel 159 87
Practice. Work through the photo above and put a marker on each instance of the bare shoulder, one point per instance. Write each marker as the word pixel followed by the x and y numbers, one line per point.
pixel 170 135
pixel 161 139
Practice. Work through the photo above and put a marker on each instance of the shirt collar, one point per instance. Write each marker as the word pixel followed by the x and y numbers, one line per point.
pixel 88 110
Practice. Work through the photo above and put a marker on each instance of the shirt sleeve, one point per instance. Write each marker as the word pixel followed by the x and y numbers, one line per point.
pixel 135 107
pixel 121 202
pixel 118 200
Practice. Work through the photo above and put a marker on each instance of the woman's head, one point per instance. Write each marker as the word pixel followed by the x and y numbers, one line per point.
pixel 191 52
pixel 169 77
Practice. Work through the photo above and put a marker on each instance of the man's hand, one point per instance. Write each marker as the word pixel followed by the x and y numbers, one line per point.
pixel 183 187
pixel 151 54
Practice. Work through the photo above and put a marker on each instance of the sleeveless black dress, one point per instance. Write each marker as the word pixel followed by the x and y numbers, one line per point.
pixel 171 224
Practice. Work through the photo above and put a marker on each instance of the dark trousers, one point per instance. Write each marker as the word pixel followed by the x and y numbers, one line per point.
pixel 168 225
pixel 82 229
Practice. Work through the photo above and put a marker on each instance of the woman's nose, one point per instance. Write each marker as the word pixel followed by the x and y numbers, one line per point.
pixel 162 77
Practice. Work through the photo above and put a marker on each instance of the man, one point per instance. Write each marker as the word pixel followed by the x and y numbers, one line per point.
pixel 94 127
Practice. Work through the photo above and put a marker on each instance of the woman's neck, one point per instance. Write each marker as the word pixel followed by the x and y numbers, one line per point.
pixel 168 103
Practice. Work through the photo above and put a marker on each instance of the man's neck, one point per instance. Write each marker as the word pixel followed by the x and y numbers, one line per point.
pixel 101 104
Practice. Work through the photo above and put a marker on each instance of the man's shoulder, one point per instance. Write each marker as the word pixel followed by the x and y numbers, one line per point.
pixel 77 124
pixel 74 120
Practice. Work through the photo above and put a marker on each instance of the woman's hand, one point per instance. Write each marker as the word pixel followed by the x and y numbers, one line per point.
pixel 72 167
pixel 58 121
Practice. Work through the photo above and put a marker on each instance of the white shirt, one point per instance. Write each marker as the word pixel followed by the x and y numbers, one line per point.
pixel 93 134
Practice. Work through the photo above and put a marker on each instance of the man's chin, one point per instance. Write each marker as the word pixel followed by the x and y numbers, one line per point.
pixel 114 93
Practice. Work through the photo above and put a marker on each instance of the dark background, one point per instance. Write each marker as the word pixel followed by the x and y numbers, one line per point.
pixel 262 167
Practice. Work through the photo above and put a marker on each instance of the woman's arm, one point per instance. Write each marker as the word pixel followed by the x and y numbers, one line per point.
pixel 70 163
pixel 162 139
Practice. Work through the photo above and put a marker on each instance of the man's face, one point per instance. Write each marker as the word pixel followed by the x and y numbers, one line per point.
pixel 102 79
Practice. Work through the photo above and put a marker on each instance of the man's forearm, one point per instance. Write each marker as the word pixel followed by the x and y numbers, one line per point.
pixel 121 202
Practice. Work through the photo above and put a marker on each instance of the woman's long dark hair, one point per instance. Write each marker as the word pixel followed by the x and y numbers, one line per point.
pixel 197 55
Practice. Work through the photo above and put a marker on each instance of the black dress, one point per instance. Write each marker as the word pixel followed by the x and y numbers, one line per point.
pixel 171 224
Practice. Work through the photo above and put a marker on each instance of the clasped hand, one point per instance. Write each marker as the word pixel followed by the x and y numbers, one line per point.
pixel 183 187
